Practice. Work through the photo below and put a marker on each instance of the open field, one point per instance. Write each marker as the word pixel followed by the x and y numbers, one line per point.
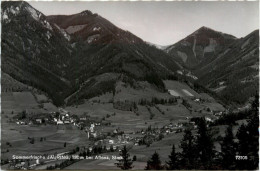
pixel 180 89
pixel 19 101
pixel 145 91
pixel 95 164
pixel 8 84
pixel 163 147
pixel 129 121
pixel 157 116
pixel 56 136
pixel 101 107
pixel 41 98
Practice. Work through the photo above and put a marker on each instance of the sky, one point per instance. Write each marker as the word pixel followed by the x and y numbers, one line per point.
pixel 165 23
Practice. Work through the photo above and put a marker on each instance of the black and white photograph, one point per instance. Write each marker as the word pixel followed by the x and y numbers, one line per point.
pixel 129 85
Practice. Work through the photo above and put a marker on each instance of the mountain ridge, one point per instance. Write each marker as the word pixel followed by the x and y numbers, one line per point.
pixel 218 55
pixel 66 61
pixel 198 48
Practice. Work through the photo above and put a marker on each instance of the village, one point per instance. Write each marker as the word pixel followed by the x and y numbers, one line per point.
pixel 110 140
pixel 100 134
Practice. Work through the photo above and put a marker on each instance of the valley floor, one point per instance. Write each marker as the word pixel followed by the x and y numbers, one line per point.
pixel 109 127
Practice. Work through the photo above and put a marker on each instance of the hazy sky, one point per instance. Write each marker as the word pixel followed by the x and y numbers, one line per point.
pixel 165 23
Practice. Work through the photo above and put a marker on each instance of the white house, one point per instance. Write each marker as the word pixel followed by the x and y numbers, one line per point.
pixel 59 122
pixel 208 119
pixel 111 141
pixel 66 122
pixel 197 100
pixel 39 121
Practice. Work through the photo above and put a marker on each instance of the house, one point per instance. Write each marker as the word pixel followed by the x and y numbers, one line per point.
pixel 218 113
pixel 59 122
pixel 92 126
pixel 91 129
pixel 90 149
pixel 37 161
pixel 208 119
pixel 55 119
pixel 83 118
pixel 111 141
pixel 115 131
pixel 197 100
pixel 66 122
pixel 38 121
pixel 94 134
pixel 192 123
pixel 114 147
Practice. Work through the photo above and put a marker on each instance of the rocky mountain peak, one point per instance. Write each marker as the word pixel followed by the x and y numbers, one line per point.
pixel 86 12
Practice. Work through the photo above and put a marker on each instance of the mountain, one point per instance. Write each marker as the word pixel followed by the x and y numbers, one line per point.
pixel 200 47
pixel 34 51
pixel 78 56
pixel 157 46
pixel 102 48
pixel 234 73
pixel 92 28
pixel 221 62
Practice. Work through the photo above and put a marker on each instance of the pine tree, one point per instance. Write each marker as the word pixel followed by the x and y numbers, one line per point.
pixel 154 163
pixel 205 145
pixel 228 150
pixel 253 137
pixel 188 154
pixel 248 136
pixel 173 160
pixel 125 163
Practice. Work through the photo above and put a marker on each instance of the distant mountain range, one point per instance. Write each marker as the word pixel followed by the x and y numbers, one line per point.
pixel 66 56
pixel 200 47
pixel 222 62
pixel 75 57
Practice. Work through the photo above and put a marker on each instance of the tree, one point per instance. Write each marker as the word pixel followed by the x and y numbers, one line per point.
pixel 189 151
pixel 65 144
pixel 32 140
pixel 173 160
pixel 111 148
pixel 84 154
pixel 154 163
pixel 248 136
pixel 228 150
pixel 205 145
pixel 77 149
pixel 161 136
pixel 125 162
